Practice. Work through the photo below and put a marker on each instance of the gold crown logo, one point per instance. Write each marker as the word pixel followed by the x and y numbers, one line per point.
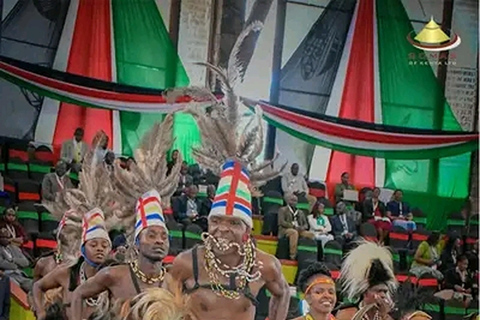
pixel 432 33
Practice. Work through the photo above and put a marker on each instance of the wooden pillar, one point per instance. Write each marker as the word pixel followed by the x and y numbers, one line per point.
pixel 276 72
pixel 174 22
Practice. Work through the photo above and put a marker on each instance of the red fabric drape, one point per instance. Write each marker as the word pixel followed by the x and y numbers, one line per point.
pixel 90 55
pixel 358 100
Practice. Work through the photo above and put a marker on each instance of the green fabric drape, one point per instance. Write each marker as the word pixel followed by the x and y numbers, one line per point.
pixel 412 97
pixel 144 57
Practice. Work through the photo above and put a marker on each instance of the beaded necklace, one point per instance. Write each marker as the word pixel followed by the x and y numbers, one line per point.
pixel 242 272
pixel 92 302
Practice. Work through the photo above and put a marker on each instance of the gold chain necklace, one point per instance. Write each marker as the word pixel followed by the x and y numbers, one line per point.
pixel 143 277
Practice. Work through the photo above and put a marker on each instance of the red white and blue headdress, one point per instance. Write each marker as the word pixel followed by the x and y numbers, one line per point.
pixel 227 149
pixel 144 192
pixel 149 212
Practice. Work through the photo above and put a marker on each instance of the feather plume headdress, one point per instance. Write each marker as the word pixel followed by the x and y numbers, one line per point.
pixel 145 190
pixel 365 266
pixel 227 149
pixel 72 206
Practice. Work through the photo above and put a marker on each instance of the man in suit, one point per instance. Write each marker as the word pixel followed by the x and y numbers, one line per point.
pixel 292 224
pixel 73 151
pixel 186 208
pixel 375 212
pixel 185 180
pixel 343 227
pixel 399 212
pixel 55 182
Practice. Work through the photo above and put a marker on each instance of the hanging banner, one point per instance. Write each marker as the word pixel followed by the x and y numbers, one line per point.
pixel 87 92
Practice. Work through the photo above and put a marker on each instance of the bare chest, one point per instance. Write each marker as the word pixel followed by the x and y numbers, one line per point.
pixel 128 286
pixel 207 305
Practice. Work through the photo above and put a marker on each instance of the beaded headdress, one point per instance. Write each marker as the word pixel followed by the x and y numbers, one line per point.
pixel 228 150
pixel 145 190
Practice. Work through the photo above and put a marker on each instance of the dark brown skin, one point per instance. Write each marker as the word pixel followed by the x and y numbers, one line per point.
pixel 154 245
pixel 43 267
pixel 96 250
pixel 209 306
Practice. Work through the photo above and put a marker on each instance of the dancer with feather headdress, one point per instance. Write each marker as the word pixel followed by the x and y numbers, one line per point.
pixel 368 281
pixel 142 192
pixel 91 217
pixel 225 274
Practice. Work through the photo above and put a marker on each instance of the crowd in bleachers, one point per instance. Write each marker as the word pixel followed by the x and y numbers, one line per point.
pixel 298 215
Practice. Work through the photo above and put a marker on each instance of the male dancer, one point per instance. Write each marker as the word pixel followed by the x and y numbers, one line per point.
pixel 225 275
pixel 320 293
pixel 139 192
pixel 367 278
pixel 64 242
pixel 94 250
pixel 125 281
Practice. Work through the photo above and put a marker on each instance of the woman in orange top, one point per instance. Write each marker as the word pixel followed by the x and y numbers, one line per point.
pixel 320 292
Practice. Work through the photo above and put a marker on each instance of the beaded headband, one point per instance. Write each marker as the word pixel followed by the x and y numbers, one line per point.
pixel 321 280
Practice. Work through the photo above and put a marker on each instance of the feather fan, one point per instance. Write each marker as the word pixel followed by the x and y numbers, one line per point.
pixel 365 266
pixel 161 304
pixel 149 172
pixel 222 136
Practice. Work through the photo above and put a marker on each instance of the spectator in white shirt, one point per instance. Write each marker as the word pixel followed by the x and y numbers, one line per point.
pixel 319 224
pixel 294 183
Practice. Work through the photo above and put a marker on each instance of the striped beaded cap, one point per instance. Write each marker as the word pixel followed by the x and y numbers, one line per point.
pixel 149 212
pixel 93 226
pixel 233 196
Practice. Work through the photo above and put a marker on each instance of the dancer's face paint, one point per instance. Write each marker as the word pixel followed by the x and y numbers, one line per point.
pixel 321 294
pixel 97 250
pixel 227 230
pixel 153 243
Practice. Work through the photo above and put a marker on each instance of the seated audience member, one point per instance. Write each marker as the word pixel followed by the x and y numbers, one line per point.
pixel 172 161
pixel 319 224
pixel 293 182
pixel 450 253
pixel 4 296
pixel 100 143
pixel 459 280
pixel 343 227
pixel 73 151
pixel 292 224
pixel 186 208
pixel 206 204
pixel 344 185
pixel 12 260
pixel 15 230
pixel 399 212
pixel 55 182
pixel 374 211
pixel 185 180
pixel 109 160
pixel 320 292
pixel 427 257
pixel 119 248
pixel 473 259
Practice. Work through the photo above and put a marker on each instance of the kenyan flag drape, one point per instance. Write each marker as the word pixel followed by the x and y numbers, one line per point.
pixel 375 82
pixel 122 41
